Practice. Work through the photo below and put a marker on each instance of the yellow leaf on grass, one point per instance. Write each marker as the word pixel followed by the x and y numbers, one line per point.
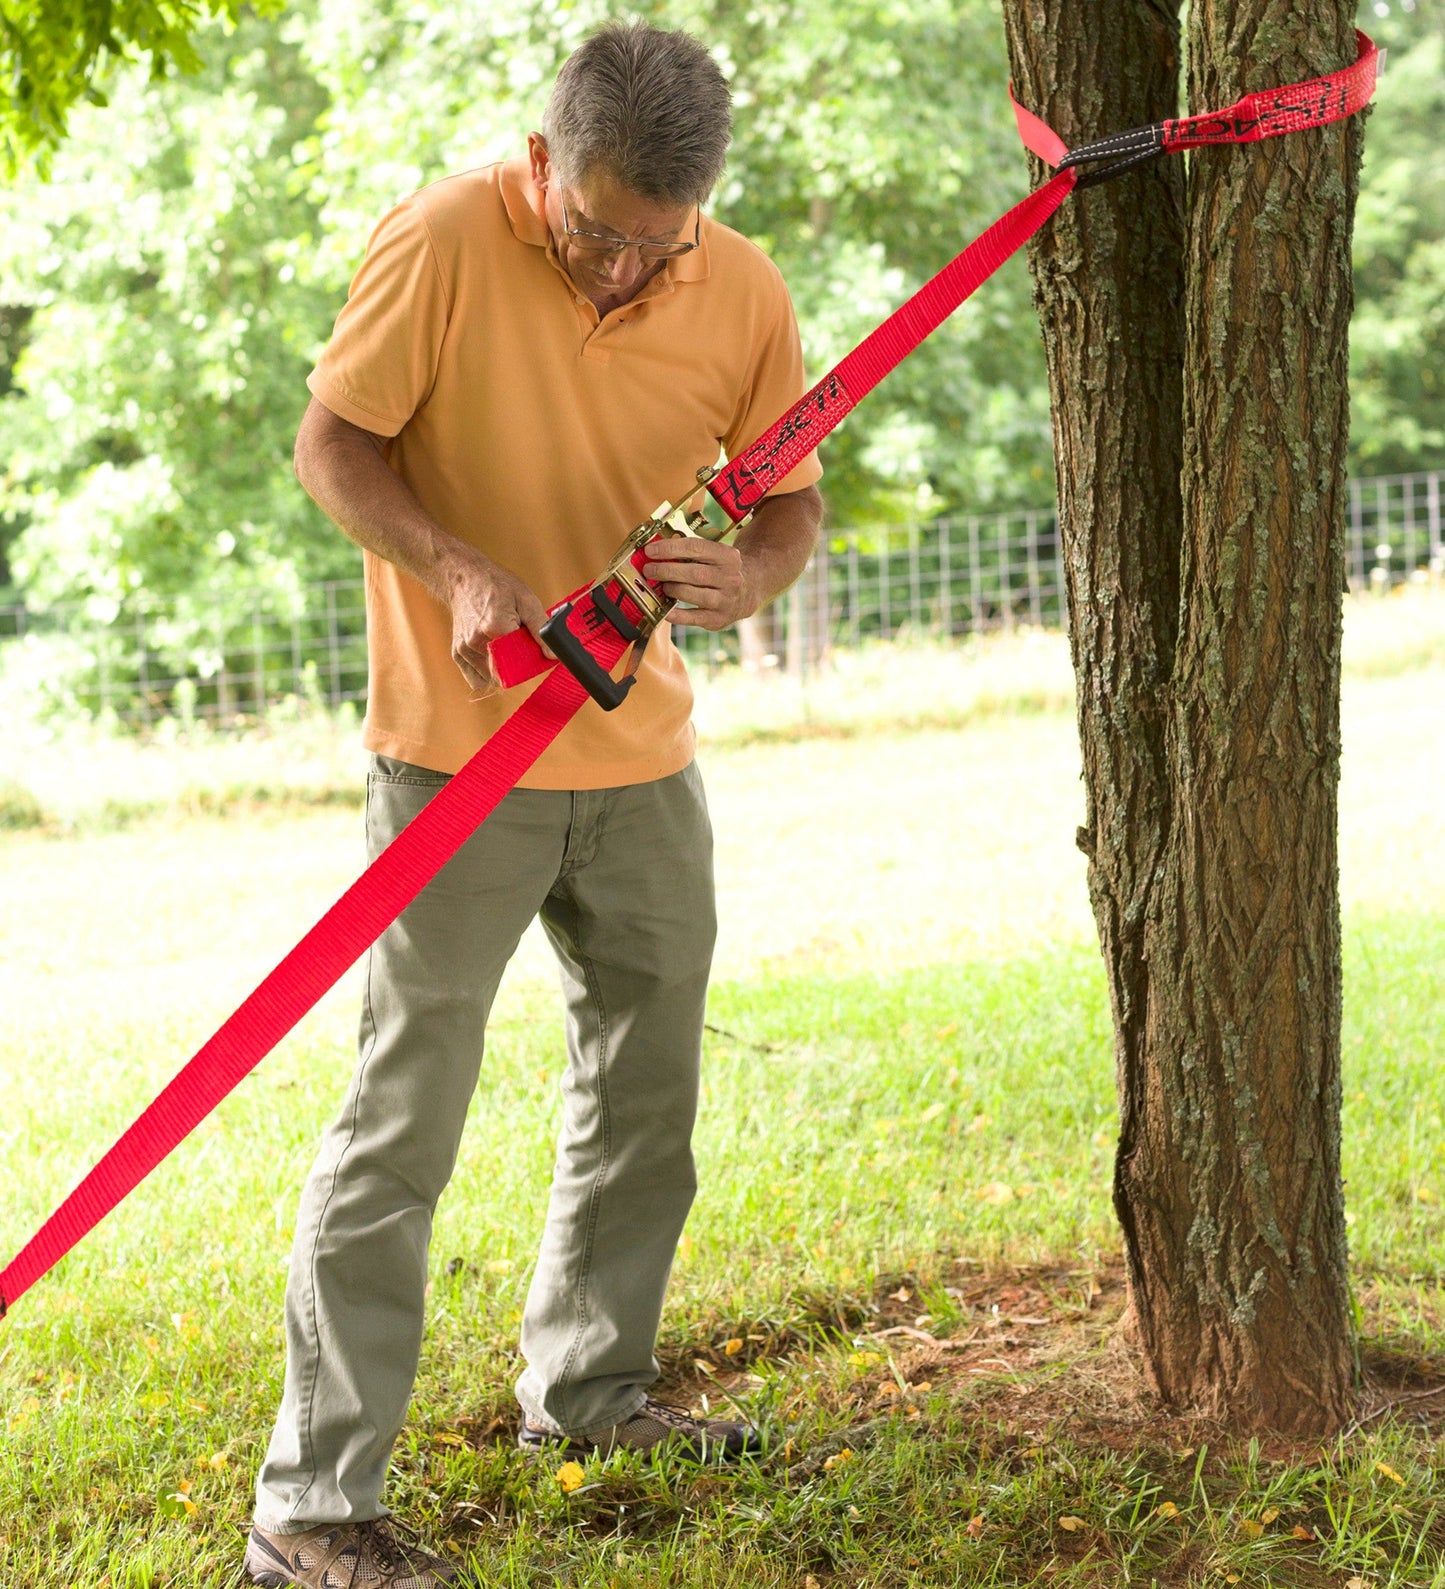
pixel 1072 1524
pixel 1166 1509
pixel 1357 1583
pixel 734 1346
pixel 1389 1472
pixel 996 1192
pixel 845 1455
pixel 218 1462
pixel 974 1527
pixel 570 1476
pixel 1299 1531
pixel 1248 1526
pixel 1270 1515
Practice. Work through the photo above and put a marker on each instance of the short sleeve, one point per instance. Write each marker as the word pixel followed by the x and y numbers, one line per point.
pixel 380 365
pixel 777 382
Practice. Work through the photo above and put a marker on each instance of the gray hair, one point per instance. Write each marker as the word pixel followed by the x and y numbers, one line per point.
pixel 651 108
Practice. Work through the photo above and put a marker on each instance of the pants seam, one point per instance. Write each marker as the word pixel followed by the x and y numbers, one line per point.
pixel 595 1199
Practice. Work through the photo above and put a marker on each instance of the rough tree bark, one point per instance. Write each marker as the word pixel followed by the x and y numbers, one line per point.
pixel 1196 345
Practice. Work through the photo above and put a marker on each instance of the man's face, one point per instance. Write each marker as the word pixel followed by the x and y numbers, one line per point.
pixel 599 203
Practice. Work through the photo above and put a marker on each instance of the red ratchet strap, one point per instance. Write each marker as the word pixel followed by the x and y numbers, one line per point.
pixel 399 874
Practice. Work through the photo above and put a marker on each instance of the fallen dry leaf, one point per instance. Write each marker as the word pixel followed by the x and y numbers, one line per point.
pixel 1166 1509
pixel 974 1527
pixel 1389 1472
pixel 569 1476
pixel 1270 1515
pixel 1299 1531
pixel 734 1346
pixel 1250 1528
pixel 1071 1524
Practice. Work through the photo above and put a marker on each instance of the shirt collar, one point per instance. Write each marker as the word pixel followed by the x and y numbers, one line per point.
pixel 526 210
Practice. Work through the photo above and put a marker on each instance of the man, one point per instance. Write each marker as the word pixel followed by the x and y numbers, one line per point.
pixel 531 357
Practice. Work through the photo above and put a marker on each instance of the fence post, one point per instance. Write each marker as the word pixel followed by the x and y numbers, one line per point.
pixel 1432 509
pixel 1357 533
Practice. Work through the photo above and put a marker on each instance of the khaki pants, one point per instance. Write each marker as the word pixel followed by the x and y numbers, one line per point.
pixel 622 879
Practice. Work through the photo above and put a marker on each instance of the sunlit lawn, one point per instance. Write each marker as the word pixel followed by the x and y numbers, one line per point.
pixel 909 1075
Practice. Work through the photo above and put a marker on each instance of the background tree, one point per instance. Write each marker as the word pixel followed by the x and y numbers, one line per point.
pixel 55 53
pixel 171 314
pixel 1397 338
pixel 163 294
pixel 1205 604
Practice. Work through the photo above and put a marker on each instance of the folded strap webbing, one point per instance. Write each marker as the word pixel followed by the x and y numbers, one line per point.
pixel 414 857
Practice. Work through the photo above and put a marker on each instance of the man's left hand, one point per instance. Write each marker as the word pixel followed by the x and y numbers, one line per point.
pixel 709 576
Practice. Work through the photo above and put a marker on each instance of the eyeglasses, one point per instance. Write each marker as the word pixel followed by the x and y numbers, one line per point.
pixel 599 243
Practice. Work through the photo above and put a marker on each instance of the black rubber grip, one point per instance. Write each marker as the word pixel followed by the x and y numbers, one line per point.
pixel 609 693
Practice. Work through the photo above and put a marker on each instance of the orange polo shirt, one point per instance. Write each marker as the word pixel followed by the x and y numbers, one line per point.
pixel 532 431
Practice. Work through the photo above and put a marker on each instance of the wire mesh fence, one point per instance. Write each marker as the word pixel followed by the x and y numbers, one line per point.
pixel 235 660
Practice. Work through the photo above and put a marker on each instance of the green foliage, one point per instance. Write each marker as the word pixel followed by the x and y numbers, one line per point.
pixel 1397 340
pixel 55 54
pixel 173 314
pixel 163 294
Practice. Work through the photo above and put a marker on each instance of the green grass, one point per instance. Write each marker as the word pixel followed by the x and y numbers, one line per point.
pixel 908 1116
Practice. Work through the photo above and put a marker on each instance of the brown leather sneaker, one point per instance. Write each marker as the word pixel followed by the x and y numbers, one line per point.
pixel 343 1556
pixel 651 1427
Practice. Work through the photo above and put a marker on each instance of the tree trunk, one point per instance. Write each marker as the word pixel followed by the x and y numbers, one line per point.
pixel 1108 286
pixel 759 640
pixel 810 617
pixel 1211 741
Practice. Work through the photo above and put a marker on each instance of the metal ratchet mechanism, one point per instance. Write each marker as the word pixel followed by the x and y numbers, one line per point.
pixel 621 583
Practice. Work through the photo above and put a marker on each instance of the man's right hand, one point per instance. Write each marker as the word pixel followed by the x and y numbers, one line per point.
pixel 487 601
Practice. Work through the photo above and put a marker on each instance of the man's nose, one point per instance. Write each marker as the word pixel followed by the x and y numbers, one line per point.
pixel 624 267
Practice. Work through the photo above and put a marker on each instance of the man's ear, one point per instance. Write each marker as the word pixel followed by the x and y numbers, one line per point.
pixel 540 159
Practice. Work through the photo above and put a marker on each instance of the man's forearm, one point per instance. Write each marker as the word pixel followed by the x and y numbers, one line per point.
pixel 344 472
